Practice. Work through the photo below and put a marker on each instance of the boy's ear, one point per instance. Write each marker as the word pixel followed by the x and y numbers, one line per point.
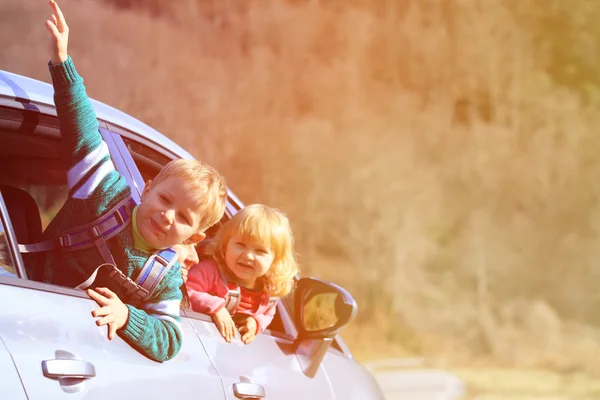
pixel 195 238
pixel 146 188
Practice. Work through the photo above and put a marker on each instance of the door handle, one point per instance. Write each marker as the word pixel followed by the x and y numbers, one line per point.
pixel 248 390
pixel 61 368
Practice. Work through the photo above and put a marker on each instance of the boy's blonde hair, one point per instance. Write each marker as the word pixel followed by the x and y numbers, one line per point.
pixel 206 184
pixel 266 225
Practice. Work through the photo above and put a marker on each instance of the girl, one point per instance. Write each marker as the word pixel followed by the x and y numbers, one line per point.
pixel 252 264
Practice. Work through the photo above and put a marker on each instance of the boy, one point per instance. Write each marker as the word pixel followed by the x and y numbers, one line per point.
pixel 184 199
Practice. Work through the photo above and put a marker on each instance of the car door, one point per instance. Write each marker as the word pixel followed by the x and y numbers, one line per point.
pixel 267 368
pixel 48 330
pixel 10 384
pixel 58 351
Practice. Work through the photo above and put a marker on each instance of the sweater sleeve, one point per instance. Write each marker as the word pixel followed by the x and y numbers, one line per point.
pixel 154 329
pixel 86 156
pixel 203 281
pixel 264 319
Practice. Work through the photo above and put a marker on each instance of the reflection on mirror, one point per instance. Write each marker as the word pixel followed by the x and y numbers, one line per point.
pixel 320 312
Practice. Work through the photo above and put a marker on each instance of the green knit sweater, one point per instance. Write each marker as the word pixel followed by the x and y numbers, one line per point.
pixel 154 327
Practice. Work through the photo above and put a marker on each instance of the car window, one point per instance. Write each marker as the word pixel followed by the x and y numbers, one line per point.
pixel 32 163
pixel 33 180
pixel 149 163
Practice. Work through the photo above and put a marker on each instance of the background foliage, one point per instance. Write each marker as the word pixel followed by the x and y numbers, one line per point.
pixel 437 158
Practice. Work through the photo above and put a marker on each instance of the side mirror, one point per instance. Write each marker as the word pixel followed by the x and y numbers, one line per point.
pixel 322 309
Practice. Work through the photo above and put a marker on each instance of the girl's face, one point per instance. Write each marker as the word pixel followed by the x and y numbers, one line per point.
pixel 247 261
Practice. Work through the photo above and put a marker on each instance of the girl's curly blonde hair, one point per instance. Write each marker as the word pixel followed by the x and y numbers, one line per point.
pixel 262 224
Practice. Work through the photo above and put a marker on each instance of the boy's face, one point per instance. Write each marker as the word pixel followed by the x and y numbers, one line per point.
pixel 168 215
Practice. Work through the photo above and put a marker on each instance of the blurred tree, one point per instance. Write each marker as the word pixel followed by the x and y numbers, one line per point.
pixel 566 36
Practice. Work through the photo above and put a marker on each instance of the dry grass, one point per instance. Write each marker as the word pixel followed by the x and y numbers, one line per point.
pixel 528 384
pixel 427 162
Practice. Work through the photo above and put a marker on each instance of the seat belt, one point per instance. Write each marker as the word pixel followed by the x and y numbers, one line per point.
pixel 234 295
pixel 95 234
pixel 154 270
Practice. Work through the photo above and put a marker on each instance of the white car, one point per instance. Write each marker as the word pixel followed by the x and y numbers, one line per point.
pixel 50 347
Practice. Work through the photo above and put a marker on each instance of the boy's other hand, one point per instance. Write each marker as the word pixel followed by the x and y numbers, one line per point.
pixel 224 323
pixel 59 34
pixel 247 326
pixel 112 310
pixel 184 273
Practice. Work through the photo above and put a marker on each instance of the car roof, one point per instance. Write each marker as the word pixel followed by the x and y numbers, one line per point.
pixel 15 89
pixel 31 91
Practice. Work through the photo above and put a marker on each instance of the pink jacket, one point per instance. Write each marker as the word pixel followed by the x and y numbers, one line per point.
pixel 207 292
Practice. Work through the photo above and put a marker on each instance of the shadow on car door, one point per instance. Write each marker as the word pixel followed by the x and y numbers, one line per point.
pixel 266 368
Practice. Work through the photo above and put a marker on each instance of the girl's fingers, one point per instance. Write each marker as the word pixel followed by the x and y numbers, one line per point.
pixel 248 337
pixel 223 329
pixel 230 331
pixel 227 333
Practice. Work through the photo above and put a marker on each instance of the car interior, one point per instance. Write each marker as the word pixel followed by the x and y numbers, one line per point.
pixel 33 181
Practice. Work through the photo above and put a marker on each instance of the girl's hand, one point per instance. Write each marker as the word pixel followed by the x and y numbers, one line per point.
pixel 247 326
pixel 224 323
pixel 59 34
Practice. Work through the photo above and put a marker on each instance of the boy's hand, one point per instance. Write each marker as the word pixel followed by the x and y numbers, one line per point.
pixel 59 34
pixel 224 323
pixel 184 273
pixel 113 312
pixel 247 326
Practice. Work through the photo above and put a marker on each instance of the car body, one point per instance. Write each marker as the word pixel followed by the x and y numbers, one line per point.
pixel 50 347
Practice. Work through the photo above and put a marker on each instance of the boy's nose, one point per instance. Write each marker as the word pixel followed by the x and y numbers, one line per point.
pixel 168 216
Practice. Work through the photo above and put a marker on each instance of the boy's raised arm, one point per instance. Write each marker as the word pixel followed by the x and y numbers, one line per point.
pixel 85 154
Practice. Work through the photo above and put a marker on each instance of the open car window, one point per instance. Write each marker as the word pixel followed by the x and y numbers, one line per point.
pixel 32 163
pixel 149 163
pixel 32 182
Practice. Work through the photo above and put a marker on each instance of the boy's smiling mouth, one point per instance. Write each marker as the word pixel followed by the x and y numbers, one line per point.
pixel 156 227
